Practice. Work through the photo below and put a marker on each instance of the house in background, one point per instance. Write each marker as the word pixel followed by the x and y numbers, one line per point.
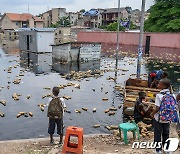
pixel 110 15
pixel 53 16
pixel 93 18
pixel 12 21
pixel 136 17
pixel 73 18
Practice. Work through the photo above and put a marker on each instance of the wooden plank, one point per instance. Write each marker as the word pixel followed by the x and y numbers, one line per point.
pixel 142 88
pixel 137 82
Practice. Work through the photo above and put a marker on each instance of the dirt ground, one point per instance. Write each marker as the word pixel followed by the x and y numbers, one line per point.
pixel 96 144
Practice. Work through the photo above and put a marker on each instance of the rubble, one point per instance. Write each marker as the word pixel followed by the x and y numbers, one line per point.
pixel 144 129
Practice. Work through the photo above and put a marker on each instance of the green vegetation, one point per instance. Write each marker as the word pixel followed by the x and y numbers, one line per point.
pixel 113 27
pixel 82 10
pixel 164 17
pixel 63 22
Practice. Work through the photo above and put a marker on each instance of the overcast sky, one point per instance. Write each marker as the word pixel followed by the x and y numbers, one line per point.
pixel 40 6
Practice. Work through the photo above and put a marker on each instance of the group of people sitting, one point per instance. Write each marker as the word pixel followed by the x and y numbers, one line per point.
pixel 165 111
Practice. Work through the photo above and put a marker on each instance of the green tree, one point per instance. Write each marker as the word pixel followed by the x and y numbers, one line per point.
pixel 64 22
pixel 113 26
pixel 82 10
pixel 164 17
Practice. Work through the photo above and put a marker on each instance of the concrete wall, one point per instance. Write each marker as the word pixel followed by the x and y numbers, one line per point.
pixel 65 53
pixel 46 19
pixel 55 15
pixel 164 40
pixel 31 23
pixel 44 40
pixel 8 24
pixel 23 41
pixel 39 25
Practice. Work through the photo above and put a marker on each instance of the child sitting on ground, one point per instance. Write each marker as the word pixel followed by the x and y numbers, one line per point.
pixel 139 110
pixel 55 114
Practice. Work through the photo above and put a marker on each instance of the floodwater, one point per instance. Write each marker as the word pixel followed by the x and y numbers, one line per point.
pixel 41 71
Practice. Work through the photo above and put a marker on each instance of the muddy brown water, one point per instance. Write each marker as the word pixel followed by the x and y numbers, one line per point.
pixel 40 74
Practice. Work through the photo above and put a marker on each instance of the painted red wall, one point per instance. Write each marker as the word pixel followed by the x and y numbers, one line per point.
pixel 164 40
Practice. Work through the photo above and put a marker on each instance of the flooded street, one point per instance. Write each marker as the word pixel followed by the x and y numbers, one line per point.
pixel 41 71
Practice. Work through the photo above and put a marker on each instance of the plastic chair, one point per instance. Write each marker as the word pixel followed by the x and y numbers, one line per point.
pixel 125 127
pixel 73 147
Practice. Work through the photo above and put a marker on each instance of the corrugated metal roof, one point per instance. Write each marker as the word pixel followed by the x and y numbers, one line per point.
pixel 92 12
pixel 38 29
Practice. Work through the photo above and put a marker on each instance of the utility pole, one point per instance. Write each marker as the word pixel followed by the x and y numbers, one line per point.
pixel 117 47
pixel 140 48
pixel 28 8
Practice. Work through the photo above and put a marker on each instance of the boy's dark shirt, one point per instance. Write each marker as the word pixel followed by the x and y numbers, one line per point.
pixel 137 114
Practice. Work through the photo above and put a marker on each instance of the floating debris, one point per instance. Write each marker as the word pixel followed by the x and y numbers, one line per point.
pixel 28 96
pixel 26 115
pixel 111 78
pixel 20 114
pixel 104 99
pixel 2 114
pixel 3 102
pixel 111 113
pixel 77 86
pixel 47 95
pixel 47 88
pixel 77 111
pixel 106 111
pixel 67 111
pixel 30 114
pixel 85 109
pixel 21 74
pixel 17 81
pixel 93 89
pixel 113 109
pixel 66 97
pixel 97 126
pixel 114 127
pixel 15 96
pixel 42 107
pixel 119 106
pixel 94 110
pixel 108 127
